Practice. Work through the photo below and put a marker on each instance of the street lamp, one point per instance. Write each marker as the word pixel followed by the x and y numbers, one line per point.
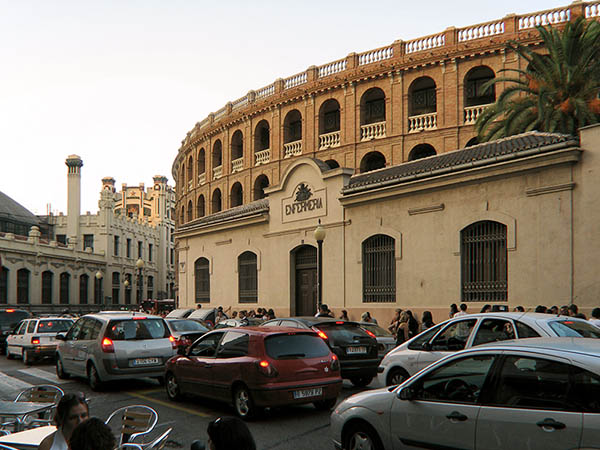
pixel 319 236
pixel 140 265
pixel 127 292
pixel 99 278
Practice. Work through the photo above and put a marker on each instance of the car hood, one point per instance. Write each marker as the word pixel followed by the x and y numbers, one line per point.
pixel 377 400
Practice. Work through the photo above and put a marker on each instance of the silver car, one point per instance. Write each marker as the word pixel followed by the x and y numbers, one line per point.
pixel 535 394
pixel 114 345
pixel 475 329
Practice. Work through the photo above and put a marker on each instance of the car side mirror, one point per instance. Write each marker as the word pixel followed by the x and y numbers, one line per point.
pixel 407 393
pixel 426 346
pixel 61 337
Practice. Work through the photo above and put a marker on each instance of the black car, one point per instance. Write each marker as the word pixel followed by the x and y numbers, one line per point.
pixel 356 348
pixel 185 331
pixel 9 319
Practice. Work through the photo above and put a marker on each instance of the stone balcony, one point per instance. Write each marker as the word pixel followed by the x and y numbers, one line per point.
pixel 422 122
pixel 372 131
pixel 237 165
pixel 473 112
pixel 217 172
pixel 292 149
pixel 329 140
pixel 262 157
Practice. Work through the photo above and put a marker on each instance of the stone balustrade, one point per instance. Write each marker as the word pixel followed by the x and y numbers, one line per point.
pixel 262 157
pixel 552 16
pixel 240 102
pixel 375 55
pixel 473 112
pixel 480 31
pixel 292 149
pixel 329 140
pixel 266 91
pixel 217 172
pixel 592 10
pixel 295 80
pixel 237 165
pixel 426 43
pixel 332 68
pixel 422 122
pixel 202 178
pixel 372 131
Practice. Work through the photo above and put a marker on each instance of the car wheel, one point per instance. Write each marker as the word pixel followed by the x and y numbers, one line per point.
pixel 397 376
pixel 361 381
pixel 27 358
pixel 242 402
pixel 172 386
pixel 325 405
pixel 60 369
pixel 93 378
pixel 362 437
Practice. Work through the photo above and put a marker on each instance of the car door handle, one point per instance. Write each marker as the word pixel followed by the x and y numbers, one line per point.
pixel 456 416
pixel 550 423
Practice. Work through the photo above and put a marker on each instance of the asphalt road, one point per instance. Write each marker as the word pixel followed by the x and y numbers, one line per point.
pixel 301 427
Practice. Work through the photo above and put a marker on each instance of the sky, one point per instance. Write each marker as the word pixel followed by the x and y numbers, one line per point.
pixel 121 82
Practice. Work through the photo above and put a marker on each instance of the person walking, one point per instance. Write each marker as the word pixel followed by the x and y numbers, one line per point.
pixel 344 315
pixel 401 331
pixel 453 310
pixel 462 312
pixel 426 320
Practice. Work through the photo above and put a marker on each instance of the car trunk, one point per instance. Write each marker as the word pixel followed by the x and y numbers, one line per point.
pixel 349 341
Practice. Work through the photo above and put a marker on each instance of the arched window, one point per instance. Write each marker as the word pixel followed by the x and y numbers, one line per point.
pixel 65 281
pixel 332 163
pixel 471 142
pixel 47 282
pixel 421 151
pixel 237 195
pixel 262 136
pixel 182 177
pixel 3 285
pixel 216 201
pixel 372 106
pixel 484 262
pixel 292 127
pixel 190 170
pixel 422 97
pixel 150 286
pixel 84 281
pixel 23 286
pixel 190 211
pixel 372 161
pixel 247 278
pixel 202 280
pixel 329 116
pixel 379 269
pixel 237 145
pixel 217 154
pixel 182 216
pixel 475 79
pixel 200 206
pixel 116 285
pixel 260 184
pixel 201 161
pixel 127 288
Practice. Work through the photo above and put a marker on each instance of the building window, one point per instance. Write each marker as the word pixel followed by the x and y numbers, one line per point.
pixel 128 248
pixel 140 248
pixel 47 282
pixel 3 285
pixel 116 246
pixel 65 280
pixel 379 269
pixel 128 289
pixel 23 286
pixel 247 278
pixel 372 107
pixel 475 94
pixel 83 289
pixel 88 241
pixel 202 276
pixel 422 93
pixel 116 285
pixel 292 127
pixel 172 258
pixel 61 239
pixel 150 286
pixel 329 117
pixel 484 262
pixel 149 252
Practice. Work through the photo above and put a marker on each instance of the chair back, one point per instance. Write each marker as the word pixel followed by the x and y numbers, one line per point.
pixel 160 441
pixel 44 393
pixel 134 421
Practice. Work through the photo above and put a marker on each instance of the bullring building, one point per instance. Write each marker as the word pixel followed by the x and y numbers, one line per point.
pixel 379 149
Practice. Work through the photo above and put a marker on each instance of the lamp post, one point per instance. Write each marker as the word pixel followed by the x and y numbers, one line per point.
pixel 319 237
pixel 140 265
pixel 127 297
pixel 99 278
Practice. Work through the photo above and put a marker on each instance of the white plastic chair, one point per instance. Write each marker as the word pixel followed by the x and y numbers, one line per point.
pixel 134 421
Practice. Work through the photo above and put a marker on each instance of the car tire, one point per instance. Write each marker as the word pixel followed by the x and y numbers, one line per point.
pixel 363 437
pixel 243 404
pixel 94 378
pixel 396 376
pixel 172 387
pixel 325 405
pixel 27 358
pixel 60 369
pixel 361 381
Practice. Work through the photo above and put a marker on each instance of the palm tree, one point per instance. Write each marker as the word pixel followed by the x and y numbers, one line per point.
pixel 557 93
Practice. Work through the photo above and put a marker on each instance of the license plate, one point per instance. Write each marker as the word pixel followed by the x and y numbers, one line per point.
pixel 144 362
pixel 356 350
pixel 305 393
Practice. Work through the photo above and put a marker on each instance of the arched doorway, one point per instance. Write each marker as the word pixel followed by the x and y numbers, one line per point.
pixel 305 267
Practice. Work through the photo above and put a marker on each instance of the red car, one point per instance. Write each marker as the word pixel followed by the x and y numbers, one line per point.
pixel 256 367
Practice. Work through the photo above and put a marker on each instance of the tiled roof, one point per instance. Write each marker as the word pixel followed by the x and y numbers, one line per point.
pixel 478 155
pixel 238 212
pixel 13 211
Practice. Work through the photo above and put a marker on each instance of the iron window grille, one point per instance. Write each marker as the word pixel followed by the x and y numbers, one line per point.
pixel 47 279
pixel 247 278
pixel 379 269
pixel 83 289
pixel 65 279
pixel 202 275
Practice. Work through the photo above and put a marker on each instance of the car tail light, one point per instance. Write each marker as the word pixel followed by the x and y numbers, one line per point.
pixel 335 363
pixel 174 342
pixel 370 333
pixel 107 345
pixel 139 317
pixel 267 369
pixel 10 310
pixel 321 334
pixel 35 340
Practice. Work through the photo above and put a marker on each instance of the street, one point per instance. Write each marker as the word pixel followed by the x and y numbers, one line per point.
pixel 300 427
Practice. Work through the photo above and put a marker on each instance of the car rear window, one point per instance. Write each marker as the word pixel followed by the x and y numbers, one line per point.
pixel 136 329
pixel 377 331
pixel 10 319
pixel 342 332
pixel 574 328
pixel 54 326
pixel 296 346
pixel 187 325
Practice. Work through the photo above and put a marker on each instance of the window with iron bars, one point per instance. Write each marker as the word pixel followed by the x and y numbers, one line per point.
pixel 379 269
pixel 202 276
pixel 247 278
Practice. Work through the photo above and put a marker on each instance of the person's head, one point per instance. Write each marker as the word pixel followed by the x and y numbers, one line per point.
pixel 427 317
pixel 198 305
pixel 463 307
pixel 519 309
pixel 596 313
pixel 243 314
pixel 365 317
pixel 397 314
pixel 404 317
pixel 580 316
pixel 234 314
pixel 564 310
pixel 93 434
pixel 573 309
pixel 486 308
pixel 409 314
pixel 553 310
pixel 323 308
pixel 227 433
pixel 344 314
pixel 251 313
pixel 453 307
pixel 540 309
pixel 72 409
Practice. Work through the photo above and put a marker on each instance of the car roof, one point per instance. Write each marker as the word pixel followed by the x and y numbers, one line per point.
pixel 120 315
pixel 584 346
pixel 266 331
pixel 310 320
pixel 519 315
pixel 49 318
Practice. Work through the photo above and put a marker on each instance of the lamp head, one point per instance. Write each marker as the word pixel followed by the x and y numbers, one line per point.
pixel 99 275
pixel 126 283
pixel 319 233
pixel 139 263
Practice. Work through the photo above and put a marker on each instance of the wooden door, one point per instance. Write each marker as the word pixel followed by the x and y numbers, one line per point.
pixel 306 281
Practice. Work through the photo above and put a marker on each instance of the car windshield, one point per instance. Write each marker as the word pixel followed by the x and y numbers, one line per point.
pixel 136 329
pixel 376 330
pixel 10 319
pixel 574 328
pixel 296 346
pixel 54 326
pixel 187 325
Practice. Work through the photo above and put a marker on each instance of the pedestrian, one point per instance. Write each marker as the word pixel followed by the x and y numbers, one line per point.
pixel 573 310
pixel 553 310
pixel 234 314
pixel 486 309
pixel 595 319
pixel 426 320
pixel 453 310
pixel 462 312
pixel 366 317
pixel 93 434
pixel 72 409
pixel 564 310
pixel 519 309
pixel 344 315
pixel 198 305
pixel 270 314
pixel 323 311
pixel 401 331
pixel 413 325
pixel 219 316
pixel 228 433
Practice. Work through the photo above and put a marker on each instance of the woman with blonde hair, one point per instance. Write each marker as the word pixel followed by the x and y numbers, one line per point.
pixel 402 330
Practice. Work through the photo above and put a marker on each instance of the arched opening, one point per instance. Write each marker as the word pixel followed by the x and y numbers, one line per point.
pixel 23 286
pixel 471 142
pixel 84 281
pixel 329 116
pixel 422 97
pixel 47 287
pixel 182 215
pixel 292 127
pixel 202 280
pixel 372 161
pixel 247 278
pixel 372 106
pixel 237 145
pixel 217 154
pixel 200 206
pixel 421 151
pixel 3 285
pixel 64 291
pixel 190 169
pixel 201 161
pixel 332 163
pixel 305 279
pixel 236 197
pixel 190 211
pixel 262 136
pixel 260 184
pixel 182 177
pixel 216 201
pixel 474 92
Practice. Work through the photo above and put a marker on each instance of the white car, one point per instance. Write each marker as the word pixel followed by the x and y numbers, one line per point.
pixel 535 394
pixel 35 338
pixel 474 329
